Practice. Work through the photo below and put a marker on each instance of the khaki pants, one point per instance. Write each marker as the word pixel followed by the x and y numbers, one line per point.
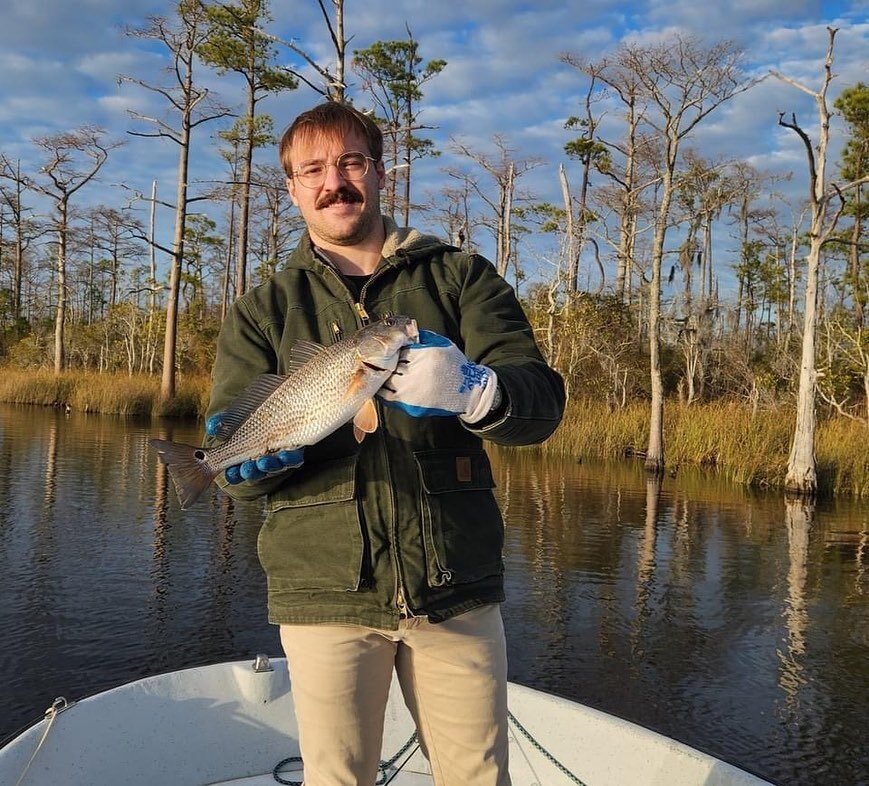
pixel 453 676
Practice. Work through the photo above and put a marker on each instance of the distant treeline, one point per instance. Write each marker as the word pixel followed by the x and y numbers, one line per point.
pixel 627 304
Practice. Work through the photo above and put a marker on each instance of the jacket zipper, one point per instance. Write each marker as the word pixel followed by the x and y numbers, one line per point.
pixel 365 318
pixel 363 314
pixel 360 306
pixel 400 597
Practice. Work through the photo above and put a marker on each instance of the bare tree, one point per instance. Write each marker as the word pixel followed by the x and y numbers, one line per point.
pixel 591 153
pixel 846 358
pixel 22 227
pixel 452 210
pixel 623 162
pixel 275 222
pixel 505 171
pixel 703 190
pixel 185 99
pixel 332 86
pixel 802 474
pixel 748 181
pixel 681 81
pixel 116 234
pixel 72 160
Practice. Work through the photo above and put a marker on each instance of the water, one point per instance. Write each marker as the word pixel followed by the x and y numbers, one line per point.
pixel 718 617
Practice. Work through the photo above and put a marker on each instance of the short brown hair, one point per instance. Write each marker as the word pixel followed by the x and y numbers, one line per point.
pixel 328 119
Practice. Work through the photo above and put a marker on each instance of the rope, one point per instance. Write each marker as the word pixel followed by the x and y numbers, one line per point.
pixel 552 760
pixel 385 765
pixel 382 767
pixel 58 706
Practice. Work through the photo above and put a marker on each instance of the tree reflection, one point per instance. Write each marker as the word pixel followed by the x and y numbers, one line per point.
pixel 646 562
pixel 223 515
pixel 799 517
pixel 161 527
pixel 50 485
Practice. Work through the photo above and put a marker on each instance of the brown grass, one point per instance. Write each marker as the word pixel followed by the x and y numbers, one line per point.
pixel 745 448
pixel 106 393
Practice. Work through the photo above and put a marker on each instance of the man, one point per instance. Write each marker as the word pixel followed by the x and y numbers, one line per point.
pixel 387 554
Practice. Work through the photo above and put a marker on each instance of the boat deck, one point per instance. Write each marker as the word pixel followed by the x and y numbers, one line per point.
pixel 411 771
pixel 229 725
pixel 267 779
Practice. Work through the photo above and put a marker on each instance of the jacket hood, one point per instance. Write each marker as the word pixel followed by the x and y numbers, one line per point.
pixel 407 239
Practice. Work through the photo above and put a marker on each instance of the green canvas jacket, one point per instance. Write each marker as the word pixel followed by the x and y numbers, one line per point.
pixel 405 522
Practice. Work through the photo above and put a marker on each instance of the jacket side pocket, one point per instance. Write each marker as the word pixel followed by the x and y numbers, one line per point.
pixel 463 532
pixel 312 536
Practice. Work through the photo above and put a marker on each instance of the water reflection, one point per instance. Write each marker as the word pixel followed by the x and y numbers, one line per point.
pixel 709 613
pixel 646 562
pixel 160 566
pixel 50 471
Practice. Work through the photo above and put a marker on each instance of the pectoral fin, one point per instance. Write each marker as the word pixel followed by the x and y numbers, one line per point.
pixel 357 382
pixel 365 421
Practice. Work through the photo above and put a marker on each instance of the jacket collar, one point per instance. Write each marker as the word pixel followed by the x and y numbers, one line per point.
pixel 401 244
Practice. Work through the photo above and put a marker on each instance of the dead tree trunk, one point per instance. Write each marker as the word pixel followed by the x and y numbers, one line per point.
pixel 802 475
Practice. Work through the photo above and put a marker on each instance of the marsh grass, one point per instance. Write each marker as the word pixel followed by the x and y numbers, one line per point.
pixel 746 448
pixel 106 393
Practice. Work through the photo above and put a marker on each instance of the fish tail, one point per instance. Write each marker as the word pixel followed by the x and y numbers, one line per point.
pixel 188 468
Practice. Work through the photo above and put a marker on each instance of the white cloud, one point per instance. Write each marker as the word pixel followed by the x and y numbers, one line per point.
pixel 105 66
pixel 59 61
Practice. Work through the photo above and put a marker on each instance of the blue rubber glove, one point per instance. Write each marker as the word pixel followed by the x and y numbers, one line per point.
pixel 435 378
pixel 261 467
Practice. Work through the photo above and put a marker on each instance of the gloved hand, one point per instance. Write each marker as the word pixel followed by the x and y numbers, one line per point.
pixel 263 466
pixel 433 377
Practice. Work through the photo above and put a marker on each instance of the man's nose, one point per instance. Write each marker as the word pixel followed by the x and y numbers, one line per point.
pixel 333 178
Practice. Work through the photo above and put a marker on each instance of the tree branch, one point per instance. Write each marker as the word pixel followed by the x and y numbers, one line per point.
pixel 808 145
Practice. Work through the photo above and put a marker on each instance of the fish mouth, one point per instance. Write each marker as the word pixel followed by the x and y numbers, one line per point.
pixel 412 331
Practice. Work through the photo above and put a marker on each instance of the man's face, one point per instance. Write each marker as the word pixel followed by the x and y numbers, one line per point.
pixel 338 212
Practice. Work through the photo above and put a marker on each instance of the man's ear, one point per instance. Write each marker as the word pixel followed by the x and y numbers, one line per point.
pixel 381 174
pixel 291 189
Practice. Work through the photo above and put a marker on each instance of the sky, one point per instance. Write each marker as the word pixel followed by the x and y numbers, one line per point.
pixel 60 61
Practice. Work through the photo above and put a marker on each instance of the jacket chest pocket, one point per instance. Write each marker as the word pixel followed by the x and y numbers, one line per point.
pixel 463 532
pixel 312 536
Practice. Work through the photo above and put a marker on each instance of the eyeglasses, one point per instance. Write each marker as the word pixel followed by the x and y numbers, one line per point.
pixel 351 166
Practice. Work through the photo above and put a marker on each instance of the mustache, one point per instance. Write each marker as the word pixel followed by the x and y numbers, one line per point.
pixel 343 194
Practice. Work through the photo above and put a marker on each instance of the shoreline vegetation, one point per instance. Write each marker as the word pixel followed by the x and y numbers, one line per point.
pixel 744 447
pixel 106 394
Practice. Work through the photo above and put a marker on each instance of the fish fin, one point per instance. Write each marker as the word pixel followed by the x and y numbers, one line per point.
pixel 366 419
pixel 358 433
pixel 246 403
pixel 188 468
pixel 357 382
pixel 301 352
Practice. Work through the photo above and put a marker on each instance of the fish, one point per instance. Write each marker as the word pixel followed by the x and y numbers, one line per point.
pixel 325 388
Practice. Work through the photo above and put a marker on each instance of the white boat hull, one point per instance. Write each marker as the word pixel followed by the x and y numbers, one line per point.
pixel 227 724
